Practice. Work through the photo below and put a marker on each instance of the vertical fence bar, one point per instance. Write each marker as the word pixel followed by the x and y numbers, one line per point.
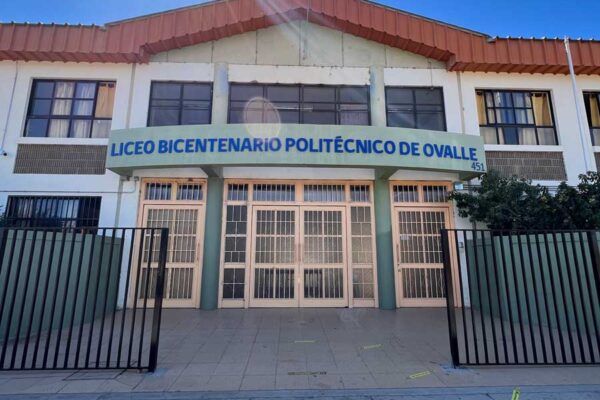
pixel 34 298
pixel 470 285
pixel 563 296
pixel 23 298
pixel 138 284
pixel 496 277
pixel 595 313
pixel 582 300
pixel 146 290
pixel 571 299
pixel 479 296
pixel 85 297
pixel 14 297
pixel 126 294
pixel 508 302
pixel 545 296
pixel 592 239
pixel 65 298
pixel 489 295
pixel 116 298
pixel 108 278
pixel 449 298
pixel 158 299
pixel 73 310
pixel 97 284
pixel 561 341
pixel 526 294
pixel 535 297
pixel 44 299
pixel 462 294
pixel 518 298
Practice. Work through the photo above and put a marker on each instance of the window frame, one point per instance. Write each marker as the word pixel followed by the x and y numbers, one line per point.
pixel 300 102
pixel 414 104
pixel 180 100
pixel 58 204
pixel 586 95
pixel 71 117
pixel 516 125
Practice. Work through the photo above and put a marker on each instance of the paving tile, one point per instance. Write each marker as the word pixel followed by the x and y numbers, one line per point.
pixel 224 382
pixel 194 369
pixel 230 369
pixel 327 381
pixel 188 383
pixel 155 383
pixel 258 382
pixel 291 382
pixel 84 386
pixel 358 381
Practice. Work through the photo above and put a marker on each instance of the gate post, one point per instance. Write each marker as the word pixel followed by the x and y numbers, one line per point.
pixel 595 256
pixel 158 299
pixel 450 297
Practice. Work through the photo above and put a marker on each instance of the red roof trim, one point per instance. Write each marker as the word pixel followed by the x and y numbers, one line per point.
pixel 135 40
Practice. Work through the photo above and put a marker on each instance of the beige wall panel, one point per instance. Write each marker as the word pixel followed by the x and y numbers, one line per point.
pixel 279 45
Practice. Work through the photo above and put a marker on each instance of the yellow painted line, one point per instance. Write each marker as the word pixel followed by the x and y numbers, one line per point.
pixel 516 394
pixel 305 341
pixel 372 346
pixel 419 374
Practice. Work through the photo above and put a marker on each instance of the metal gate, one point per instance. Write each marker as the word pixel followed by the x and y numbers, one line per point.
pixel 523 297
pixel 62 296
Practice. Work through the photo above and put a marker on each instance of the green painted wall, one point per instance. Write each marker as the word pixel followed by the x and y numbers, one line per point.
pixel 385 257
pixel 67 278
pixel 526 279
pixel 212 244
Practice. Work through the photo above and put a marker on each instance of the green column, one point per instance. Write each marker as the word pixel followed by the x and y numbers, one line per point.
pixel 211 259
pixel 385 255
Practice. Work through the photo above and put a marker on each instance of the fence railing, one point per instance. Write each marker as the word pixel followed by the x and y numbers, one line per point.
pixel 64 297
pixel 523 297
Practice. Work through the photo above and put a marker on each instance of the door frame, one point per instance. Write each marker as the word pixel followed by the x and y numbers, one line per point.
pixel 289 303
pixel 200 205
pixel 419 205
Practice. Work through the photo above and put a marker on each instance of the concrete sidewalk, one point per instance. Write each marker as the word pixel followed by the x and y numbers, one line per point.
pixel 566 392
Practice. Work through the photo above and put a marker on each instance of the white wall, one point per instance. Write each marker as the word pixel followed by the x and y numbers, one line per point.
pixel 564 110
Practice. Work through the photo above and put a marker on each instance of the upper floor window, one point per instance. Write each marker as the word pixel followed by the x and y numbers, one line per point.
pixel 179 103
pixel 415 107
pixel 299 104
pixel 516 117
pixel 592 109
pixel 76 109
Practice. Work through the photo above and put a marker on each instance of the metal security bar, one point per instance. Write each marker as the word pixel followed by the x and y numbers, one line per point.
pixel 53 211
pixel 63 298
pixel 523 297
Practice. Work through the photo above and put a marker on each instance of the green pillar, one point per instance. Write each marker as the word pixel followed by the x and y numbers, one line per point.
pixel 385 255
pixel 211 259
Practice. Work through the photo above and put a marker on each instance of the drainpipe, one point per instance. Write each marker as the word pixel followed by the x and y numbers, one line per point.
pixel 582 137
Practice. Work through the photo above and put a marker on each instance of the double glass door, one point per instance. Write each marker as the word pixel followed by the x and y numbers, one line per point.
pixel 298 257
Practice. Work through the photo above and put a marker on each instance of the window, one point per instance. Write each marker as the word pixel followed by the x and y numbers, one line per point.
pixel 418 108
pixel 76 109
pixel 53 211
pixel 178 103
pixel 592 109
pixel 516 117
pixel 299 104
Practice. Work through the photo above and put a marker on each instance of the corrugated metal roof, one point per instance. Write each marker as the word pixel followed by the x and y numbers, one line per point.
pixel 134 40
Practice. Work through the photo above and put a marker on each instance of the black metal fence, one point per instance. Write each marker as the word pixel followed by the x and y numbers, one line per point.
pixel 64 297
pixel 529 298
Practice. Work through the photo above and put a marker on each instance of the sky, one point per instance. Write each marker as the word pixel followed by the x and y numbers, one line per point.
pixel 527 18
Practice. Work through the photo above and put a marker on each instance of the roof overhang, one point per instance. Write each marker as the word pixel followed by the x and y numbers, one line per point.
pixel 135 40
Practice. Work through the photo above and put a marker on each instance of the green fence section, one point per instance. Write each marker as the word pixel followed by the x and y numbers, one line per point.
pixel 77 274
pixel 543 279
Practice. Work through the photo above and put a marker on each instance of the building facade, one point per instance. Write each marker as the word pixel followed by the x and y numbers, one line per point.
pixel 301 153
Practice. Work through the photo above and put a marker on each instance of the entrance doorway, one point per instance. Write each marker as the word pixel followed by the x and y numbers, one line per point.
pixel 298 257
pixel 177 204
pixel 298 244
pixel 420 211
